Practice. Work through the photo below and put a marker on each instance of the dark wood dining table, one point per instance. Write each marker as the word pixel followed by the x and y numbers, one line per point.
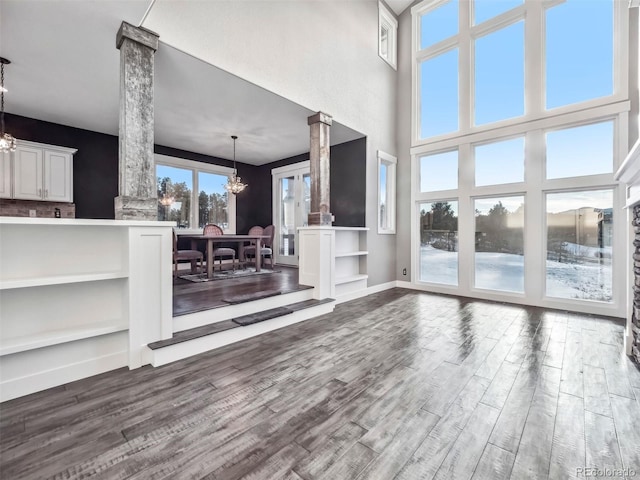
pixel 239 239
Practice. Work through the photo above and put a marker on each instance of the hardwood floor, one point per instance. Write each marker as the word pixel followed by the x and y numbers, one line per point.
pixel 396 385
pixel 189 297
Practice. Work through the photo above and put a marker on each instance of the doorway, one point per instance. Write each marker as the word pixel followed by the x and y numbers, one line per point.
pixel 291 207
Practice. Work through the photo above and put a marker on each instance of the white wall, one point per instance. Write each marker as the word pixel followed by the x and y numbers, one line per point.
pixel 320 54
pixel 634 77
pixel 403 132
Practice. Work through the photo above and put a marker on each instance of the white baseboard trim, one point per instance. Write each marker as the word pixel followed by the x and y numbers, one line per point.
pixel 366 291
pixel 19 387
pixel 179 351
pixel 628 341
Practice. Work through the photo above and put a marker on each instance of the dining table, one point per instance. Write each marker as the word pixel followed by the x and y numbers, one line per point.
pixel 226 238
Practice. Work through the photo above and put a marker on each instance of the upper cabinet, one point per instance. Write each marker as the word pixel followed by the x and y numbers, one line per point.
pixel 5 175
pixel 38 172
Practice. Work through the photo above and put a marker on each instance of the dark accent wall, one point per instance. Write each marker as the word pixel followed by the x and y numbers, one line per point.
pixel 348 183
pixel 95 173
pixel 95 165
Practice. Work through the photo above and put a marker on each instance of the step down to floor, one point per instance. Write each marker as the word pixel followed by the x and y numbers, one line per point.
pixel 250 297
pixel 245 320
pixel 261 316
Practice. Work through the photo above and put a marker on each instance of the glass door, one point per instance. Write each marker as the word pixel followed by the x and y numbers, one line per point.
pixel 292 202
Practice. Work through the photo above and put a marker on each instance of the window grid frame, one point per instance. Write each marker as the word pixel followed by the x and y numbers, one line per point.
pixel 195 168
pixel 533 13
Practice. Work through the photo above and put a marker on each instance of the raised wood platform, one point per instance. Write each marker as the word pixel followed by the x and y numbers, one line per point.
pixel 190 297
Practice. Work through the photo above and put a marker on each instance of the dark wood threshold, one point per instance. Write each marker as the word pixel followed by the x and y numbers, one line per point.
pixel 250 319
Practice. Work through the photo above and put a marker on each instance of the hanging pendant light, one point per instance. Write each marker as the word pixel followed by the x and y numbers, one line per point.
pixel 234 184
pixel 7 142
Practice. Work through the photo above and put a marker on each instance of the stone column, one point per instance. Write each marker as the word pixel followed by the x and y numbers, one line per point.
pixel 320 124
pixel 138 197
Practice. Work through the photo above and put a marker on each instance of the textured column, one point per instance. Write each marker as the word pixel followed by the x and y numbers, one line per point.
pixel 635 319
pixel 320 125
pixel 137 197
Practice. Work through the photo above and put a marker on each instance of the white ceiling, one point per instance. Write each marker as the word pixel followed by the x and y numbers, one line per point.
pixel 65 69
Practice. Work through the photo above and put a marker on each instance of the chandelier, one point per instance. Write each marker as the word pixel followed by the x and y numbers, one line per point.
pixel 7 142
pixel 234 184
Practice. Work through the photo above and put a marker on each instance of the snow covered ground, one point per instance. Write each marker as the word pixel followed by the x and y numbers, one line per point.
pixel 505 272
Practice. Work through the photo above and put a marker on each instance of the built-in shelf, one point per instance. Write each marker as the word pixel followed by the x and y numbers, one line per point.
pixel 79 297
pixel 60 280
pixel 55 337
pixel 350 261
pixel 351 278
pixel 352 254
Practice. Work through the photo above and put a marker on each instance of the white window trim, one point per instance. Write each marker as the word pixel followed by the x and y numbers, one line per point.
pixel 534 189
pixel 197 167
pixel 390 200
pixel 388 20
pixel 534 12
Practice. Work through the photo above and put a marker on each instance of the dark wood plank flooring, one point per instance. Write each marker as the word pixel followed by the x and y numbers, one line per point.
pixel 190 297
pixel 396 385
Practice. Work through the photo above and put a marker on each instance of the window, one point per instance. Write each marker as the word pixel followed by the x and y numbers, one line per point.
pixel 467 80
pixel 579 59
pixel 499 243
pixel 500 162
pixel 212 200
pixel 387 36
pixel 175 187
pixel 578 151
pixel 579 245
pixel 386 193
pixel 499 75
pixel 485 10
pixel 439 94
pixel 439 242
pixel 519 112
pixel 439 172
pixel 439 23
pixel 192 194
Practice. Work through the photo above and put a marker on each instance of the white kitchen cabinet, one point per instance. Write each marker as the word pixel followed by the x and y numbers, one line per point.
pixel 42 172
pixel 5 175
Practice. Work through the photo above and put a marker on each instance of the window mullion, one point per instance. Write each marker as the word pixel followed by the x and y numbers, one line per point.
pixel 195 210
pixel 465 70
pixel 465 219
pixel 534 60
pixel 534 238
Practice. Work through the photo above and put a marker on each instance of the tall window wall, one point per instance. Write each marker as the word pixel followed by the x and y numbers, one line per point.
pixel 520 117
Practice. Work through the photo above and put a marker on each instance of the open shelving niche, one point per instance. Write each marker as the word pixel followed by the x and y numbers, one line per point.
pixel 64 301
pixel 350 260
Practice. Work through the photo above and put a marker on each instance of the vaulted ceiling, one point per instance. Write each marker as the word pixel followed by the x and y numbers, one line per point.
pixel 65 69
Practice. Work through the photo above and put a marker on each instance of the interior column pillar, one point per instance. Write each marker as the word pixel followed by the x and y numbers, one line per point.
pixel 320 125
pixel 137 199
